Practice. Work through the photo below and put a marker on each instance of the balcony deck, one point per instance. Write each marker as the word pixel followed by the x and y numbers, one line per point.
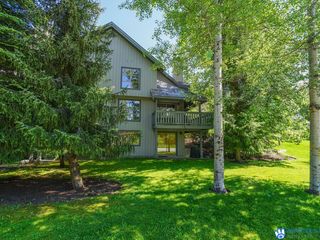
pixel 182 120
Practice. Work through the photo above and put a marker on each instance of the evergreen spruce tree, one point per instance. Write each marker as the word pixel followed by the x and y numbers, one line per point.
pixel 78 58
pixel 52 57
pixel 24 91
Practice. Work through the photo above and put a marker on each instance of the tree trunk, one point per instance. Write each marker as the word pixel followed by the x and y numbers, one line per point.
pixel 35 158
pixel 201 145
pixel 32 157
pixel 61 160
pixel 238 154
pixel 218 185
pixel 76 178
pixel 314 91
pixel 38 158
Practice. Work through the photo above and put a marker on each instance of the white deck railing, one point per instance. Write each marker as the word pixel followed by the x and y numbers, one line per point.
pixel 183 119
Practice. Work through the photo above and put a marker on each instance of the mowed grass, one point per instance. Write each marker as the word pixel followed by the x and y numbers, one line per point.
pixel 170 199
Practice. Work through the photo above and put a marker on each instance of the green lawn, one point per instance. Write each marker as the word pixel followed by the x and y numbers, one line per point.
pixel 170 199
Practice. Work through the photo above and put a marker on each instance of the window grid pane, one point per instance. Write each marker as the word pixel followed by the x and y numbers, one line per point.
pixel 135 137
pixel 130 78
pixel 132 108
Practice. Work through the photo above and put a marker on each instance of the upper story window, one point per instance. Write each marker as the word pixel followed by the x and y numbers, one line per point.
pixel 133 108
pixel 130 78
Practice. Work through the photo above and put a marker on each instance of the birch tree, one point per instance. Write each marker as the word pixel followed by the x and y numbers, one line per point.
pixel 260 100
pixel 218 185
pixel 203 22
pixel 303 16
pixel 314 94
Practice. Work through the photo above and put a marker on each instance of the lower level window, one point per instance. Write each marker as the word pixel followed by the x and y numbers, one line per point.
pixel 133 136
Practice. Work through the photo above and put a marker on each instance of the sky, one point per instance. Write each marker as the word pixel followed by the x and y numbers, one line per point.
pixel 140 31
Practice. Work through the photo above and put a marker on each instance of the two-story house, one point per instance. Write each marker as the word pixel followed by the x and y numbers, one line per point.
pixel 156 103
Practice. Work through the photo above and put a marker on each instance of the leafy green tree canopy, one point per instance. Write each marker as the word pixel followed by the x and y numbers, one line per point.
pixel 264 92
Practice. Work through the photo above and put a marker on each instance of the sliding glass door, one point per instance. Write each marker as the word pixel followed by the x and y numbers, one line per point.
pixel 167 143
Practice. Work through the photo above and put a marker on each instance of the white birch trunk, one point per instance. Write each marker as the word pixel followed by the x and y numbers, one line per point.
pixel 218 186
pixel 314 94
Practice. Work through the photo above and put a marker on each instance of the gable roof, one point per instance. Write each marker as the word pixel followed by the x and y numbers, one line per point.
pixel 143 51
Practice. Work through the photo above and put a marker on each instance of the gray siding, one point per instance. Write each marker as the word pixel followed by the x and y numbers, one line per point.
pixel 147 147
pixel 163 81
pixel 125 55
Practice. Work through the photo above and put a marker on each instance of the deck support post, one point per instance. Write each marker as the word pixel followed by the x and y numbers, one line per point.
pixel 201 145
pixel 156 142
pixel 200 112
pixel 156 131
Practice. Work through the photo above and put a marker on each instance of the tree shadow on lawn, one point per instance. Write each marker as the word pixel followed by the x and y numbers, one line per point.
pixel 138 165
pixel 133 166
pixel 167 210
pixel 260 163
pixel 51 188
